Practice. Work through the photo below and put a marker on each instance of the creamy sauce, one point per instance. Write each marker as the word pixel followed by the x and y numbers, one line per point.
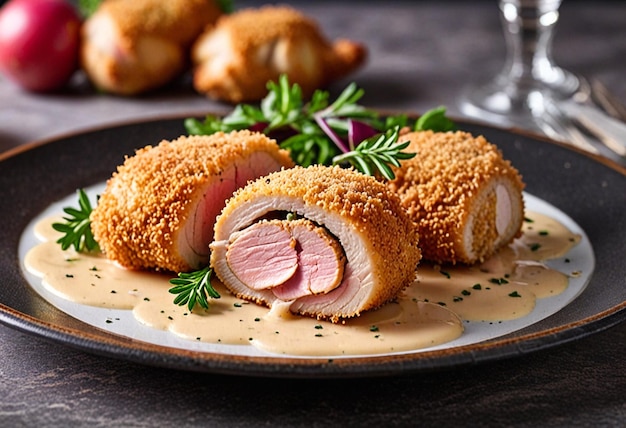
pixel 507 285
pixel 429 313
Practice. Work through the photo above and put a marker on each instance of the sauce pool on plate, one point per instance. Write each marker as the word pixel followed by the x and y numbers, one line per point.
pixel 431 312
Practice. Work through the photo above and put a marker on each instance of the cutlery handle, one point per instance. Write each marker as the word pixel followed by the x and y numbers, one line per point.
pixel 609 131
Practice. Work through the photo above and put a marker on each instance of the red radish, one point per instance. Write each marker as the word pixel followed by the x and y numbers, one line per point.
pixel 39 42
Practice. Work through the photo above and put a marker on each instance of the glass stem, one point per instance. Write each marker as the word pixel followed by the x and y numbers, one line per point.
pixel 529 28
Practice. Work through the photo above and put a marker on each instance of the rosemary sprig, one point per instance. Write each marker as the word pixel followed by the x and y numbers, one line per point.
pixel 77 226
pixel 376 154
pixel 194 287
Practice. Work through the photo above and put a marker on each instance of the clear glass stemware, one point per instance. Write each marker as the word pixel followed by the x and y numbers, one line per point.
pixel 517 95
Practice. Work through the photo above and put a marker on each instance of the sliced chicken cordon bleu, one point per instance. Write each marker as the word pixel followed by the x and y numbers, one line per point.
pixel 326 241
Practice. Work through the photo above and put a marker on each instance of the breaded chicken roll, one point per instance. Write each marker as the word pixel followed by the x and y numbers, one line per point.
pixel 129 47
pixel 465 198
pixel 236 58
pixel 330 242
pixel 159 208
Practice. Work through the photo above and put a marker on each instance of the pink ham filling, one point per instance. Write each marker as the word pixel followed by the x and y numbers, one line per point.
pixel 291 258
pixel 199 230
pixel 263 256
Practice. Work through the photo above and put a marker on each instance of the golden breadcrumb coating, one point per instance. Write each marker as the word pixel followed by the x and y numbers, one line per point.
pixel 130 47
pixel 235 59
pixel 451 183
pixel 155 192
pixel 365 205
pixel 178 20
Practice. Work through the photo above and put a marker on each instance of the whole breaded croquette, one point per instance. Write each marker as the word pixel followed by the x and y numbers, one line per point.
pixel 234 60
pixel 158 209
pixel 130 47
pixel 464 196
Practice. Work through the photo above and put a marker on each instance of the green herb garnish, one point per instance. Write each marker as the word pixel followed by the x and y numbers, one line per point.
pixel 226 6
pixel 310 131
pixel 193 287
pixel 435 120
pixel 376 154
pixel 321 132
pixel 88 7
pixel 77 226
pixel 445 273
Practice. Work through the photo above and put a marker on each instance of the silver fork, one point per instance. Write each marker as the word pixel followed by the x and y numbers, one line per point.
pixel 607 101
pixel 590 122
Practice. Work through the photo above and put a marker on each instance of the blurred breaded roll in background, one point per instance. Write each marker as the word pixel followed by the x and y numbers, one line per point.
pixel 130 47
pixel 234 60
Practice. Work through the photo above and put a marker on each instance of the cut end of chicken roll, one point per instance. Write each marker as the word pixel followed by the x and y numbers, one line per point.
pixel 159 208
pixel 465 197
pixel 354 246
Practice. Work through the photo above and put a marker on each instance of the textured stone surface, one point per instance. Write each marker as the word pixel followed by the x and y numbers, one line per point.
pixel 422 55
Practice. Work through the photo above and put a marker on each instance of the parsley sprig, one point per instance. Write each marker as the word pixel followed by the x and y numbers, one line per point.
pixel 194 287
pixel 76 226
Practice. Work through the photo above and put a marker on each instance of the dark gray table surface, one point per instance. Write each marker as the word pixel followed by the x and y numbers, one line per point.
pixel 422 54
